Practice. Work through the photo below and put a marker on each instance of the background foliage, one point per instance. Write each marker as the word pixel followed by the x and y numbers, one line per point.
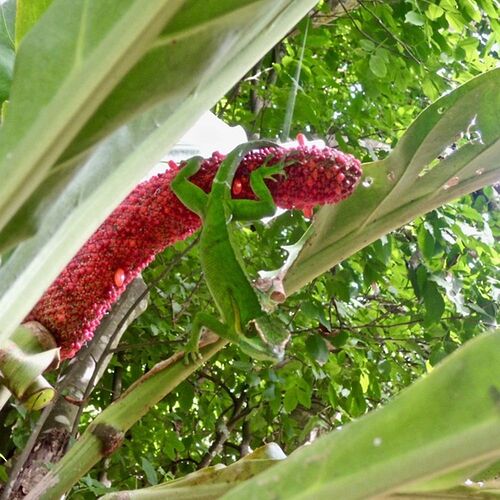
pixel 370 326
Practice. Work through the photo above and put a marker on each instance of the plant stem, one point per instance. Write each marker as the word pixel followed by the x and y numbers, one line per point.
pixel 103 435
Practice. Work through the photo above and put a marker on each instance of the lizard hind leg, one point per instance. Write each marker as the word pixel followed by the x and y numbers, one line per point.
pixel 200 321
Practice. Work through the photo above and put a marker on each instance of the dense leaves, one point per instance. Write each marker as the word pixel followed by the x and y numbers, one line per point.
pixel 360 334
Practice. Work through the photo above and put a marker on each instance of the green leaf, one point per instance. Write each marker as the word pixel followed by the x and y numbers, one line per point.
pixel 436 356
pixel 209 482
pixel 340 339
pixel 434 303
pixel 426 242
pixel 489 7
pixel 339 286
pixel 367 45
pixel 414 18
pixel 377 65
pixel 428 430
pixel 28 13
pixel 434 11
pixel 471 9
pixel 455 20
pixel 77 70
pixel 291 399
pixel 317 348
pixel 469 45
pixel 150 471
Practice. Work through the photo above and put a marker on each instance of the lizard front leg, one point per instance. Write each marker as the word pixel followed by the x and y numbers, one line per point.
pixel 264 206
pixel 190 195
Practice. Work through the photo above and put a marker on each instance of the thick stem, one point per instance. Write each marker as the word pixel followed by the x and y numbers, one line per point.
pixel 103 435
pixel 55 433
pixel 23 359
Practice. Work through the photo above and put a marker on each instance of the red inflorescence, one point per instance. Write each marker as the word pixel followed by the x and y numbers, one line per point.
pixel 152 218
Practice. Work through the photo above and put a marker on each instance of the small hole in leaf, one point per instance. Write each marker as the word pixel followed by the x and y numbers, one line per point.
pixel 470 135
pixel 367 182
pixel 451 182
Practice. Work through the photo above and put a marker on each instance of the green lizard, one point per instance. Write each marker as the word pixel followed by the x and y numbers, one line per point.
pixel 235 297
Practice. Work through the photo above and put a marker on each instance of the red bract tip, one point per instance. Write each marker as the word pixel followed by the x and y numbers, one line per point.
pixel 119 277
pixel 301 139
pixel 237 187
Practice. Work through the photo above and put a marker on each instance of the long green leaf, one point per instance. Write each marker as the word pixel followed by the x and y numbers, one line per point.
pixel 446 421
pixel 67 214
pixel 423 172
pixel 65 67
pixel 209 482
pixel 7 46
pixel 28 13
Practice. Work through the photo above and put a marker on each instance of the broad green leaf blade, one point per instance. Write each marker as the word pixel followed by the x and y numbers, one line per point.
pixel 69 215
pixel 176 66
pixel 180 62
pixel 64 70
pixel 462 126
pixel 211 482
pixel 7 48
pixel 28 13
pixel 447 420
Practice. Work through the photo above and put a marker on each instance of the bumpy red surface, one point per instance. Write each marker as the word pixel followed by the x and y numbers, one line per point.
pixel 152 218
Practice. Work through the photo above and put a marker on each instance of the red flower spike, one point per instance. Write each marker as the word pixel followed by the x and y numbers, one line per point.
pixel 152 218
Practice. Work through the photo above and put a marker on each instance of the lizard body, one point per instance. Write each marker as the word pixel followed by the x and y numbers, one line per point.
pixel 236 299
pixel 152 218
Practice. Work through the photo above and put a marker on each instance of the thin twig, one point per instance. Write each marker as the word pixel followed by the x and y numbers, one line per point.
pixel 188 300
pixel 219 383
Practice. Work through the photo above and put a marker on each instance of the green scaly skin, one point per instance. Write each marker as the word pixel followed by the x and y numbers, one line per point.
pixel 236 299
